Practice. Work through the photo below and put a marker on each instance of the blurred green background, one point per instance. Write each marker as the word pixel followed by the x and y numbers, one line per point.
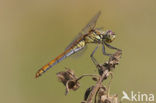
pixel 32 32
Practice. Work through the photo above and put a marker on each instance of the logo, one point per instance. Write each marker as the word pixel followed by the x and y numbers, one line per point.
pixel 137 96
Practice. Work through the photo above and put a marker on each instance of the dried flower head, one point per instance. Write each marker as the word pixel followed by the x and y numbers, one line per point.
pixel 69 79
pixel 111 63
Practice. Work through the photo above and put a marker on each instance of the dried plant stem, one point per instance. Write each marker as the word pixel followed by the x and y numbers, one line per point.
pixel 109 84
pixel 84 75
pixel 97 86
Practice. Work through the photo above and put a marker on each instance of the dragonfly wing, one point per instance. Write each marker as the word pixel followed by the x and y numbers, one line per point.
pixel 76 38
pixel 80 52
pixel 91 25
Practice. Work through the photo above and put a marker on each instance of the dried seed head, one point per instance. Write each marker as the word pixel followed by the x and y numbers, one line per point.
pixel 102 91
pixel 69 79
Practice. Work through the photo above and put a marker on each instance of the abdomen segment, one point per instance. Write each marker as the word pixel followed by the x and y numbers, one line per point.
pixel 59 58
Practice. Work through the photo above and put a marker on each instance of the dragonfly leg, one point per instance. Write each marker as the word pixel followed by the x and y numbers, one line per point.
pixel 111 47
pixel 92 57
pixel 104 51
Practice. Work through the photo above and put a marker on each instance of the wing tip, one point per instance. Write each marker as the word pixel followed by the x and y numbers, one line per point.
pixel 99 13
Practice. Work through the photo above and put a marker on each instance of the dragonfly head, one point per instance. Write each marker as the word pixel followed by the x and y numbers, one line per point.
pixel 109 36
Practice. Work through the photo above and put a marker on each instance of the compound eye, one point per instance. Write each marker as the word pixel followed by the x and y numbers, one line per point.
pixel 110 32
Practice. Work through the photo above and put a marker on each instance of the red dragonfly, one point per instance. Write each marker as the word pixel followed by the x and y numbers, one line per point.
pixel 89 34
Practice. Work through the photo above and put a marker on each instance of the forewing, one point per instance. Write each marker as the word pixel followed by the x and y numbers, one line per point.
pixel 73 42
pixel 80 52
pixel 91 25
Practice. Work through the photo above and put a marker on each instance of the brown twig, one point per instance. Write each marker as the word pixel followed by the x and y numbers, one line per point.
pixel 104 70
pixel 84 75
pixel 96 87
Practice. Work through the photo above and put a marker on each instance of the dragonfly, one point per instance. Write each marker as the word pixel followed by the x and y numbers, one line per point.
pixel 89 34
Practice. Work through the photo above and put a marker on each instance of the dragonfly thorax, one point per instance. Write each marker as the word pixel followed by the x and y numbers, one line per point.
pixel 108 36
